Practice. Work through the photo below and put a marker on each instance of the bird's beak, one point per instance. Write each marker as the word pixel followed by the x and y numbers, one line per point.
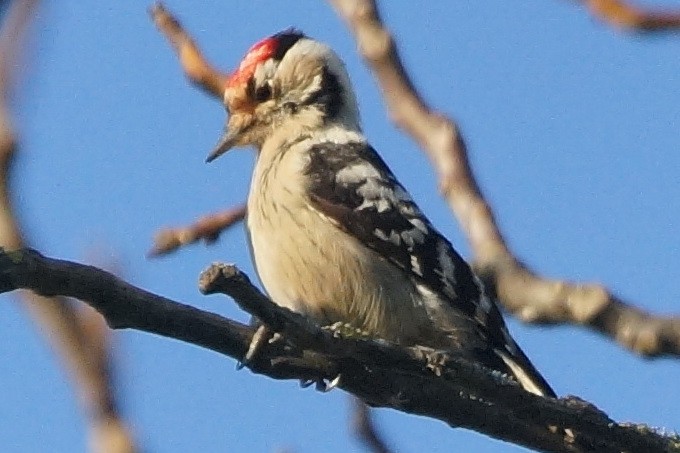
pixel 240 120
pixel 229 140
pixel 234 135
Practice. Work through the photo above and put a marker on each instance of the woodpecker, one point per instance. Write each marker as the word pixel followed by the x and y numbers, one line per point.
pixel 333 234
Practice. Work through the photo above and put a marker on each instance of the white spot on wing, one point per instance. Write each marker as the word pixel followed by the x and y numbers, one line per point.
pixel 380 234
pixel 355 173
pixel 446 267
pixel 520 374
pixel 375 195
pixel 484 300
pixel 410 209
pixel 401 194
pixel 419 224
pixel 510 344
pixel 415 265
pixel 417 235
pixel 485 303
pixel 394 237
pixel 429 298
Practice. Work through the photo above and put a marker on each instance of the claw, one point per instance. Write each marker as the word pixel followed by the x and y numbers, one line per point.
pixel 261 335
pixel 275 337
pixel 334 383
pixel 324 387
pixel 304 383
pixel 345 330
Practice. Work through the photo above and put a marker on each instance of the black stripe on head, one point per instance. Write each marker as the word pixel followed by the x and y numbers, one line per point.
pixel 285 40
pixel 328 98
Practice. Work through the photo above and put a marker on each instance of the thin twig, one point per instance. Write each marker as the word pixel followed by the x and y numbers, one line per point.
pixel 207 228
pixel 529 296
pixel 624 15
pixel 195 66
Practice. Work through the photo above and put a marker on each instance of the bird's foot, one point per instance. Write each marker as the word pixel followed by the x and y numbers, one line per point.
pixel 436 359
pixel 261 336
pixel 345 330
pixel 322 385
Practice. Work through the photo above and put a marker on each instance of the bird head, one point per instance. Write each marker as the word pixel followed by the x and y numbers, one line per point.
pixel 285 79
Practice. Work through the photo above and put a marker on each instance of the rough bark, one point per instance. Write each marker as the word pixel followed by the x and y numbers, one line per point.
pixel 414 380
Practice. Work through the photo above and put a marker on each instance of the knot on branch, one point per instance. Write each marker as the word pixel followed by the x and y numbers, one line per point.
pixel 222 278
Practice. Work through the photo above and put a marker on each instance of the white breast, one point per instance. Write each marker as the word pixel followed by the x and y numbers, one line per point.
pixel 309 265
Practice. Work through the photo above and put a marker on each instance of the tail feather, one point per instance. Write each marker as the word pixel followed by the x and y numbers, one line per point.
pixel 526 374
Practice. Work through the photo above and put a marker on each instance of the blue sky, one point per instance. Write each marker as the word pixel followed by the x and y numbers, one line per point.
pixel 573 131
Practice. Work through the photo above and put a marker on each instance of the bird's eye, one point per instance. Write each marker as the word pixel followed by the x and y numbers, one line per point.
pixel 263 93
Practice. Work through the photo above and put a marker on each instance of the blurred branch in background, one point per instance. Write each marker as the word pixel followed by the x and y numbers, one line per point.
pixel 79 335
pixel 364 428
pixel 623 15
pixel 529 296
pixel 207 228
pixel 196 67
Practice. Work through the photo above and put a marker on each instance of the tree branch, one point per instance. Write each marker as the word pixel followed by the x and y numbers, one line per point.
pixel 207 228
pixel 527 295
pixel 414 380
pixel 621 14
pixel 195 66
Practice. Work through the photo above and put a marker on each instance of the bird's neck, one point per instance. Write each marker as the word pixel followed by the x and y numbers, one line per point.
pixel 307 131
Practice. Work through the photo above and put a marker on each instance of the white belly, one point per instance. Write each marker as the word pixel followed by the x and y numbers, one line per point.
pixel 308 265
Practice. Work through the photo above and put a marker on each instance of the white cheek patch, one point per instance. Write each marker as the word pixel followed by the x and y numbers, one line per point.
pixel 315 85
pixel 307 50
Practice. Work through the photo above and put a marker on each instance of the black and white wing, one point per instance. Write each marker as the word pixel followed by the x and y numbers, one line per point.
pixel 352 185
